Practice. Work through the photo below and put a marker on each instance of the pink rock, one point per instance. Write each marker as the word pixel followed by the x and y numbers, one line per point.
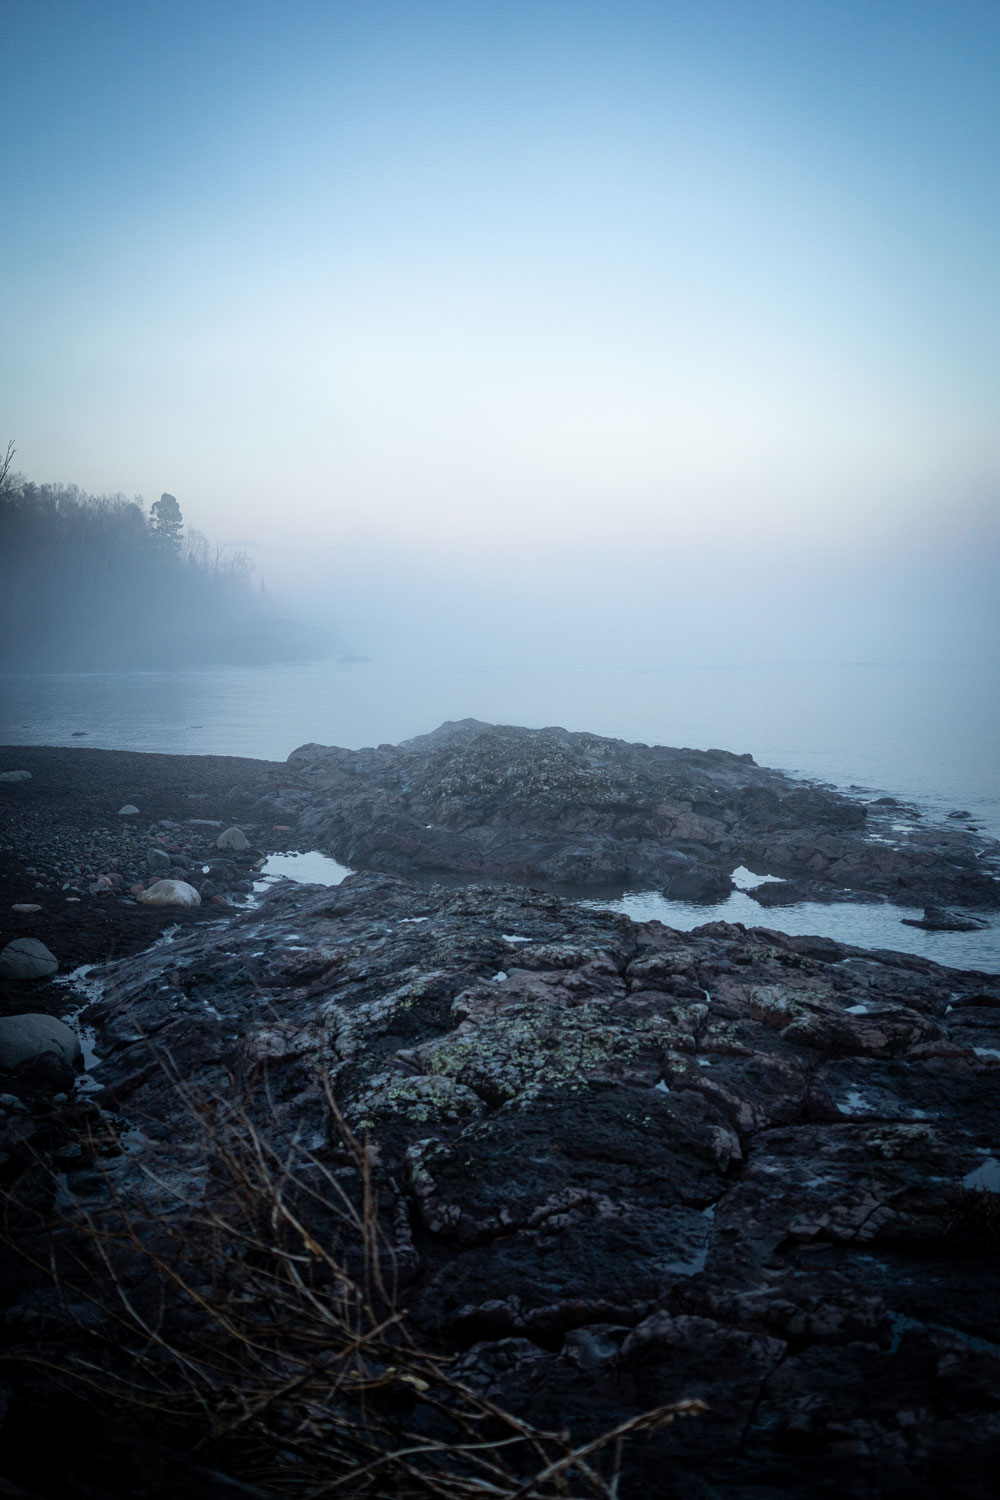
pixel 218 901
pixel 137 889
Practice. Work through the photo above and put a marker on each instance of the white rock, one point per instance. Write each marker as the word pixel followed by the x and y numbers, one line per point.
pixel 26 906
pixel 128 811
pixel 15 775
pixel 232 838
pixel 27 958
pixel 30 1035
pixel 171 893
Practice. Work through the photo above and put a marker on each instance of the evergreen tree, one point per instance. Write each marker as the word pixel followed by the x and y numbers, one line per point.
pixel 167 522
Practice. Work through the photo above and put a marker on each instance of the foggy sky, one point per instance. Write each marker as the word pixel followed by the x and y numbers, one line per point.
pixel 657 322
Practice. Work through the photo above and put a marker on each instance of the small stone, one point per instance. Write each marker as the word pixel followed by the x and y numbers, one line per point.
pixel 158 862
pixel 15 775
pixel 171 893
pixel 27 958
pixel 12 1102
pixel 137 889
pixel 26 907
pixel 128 811
pixel 232 838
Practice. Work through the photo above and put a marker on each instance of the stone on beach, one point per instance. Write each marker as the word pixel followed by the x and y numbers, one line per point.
pixel 170 893
pixel 158 862
pixel 27 958
pixel 15 775
pixel 30 1035
pixel 26 907
pixel 128 811
pixel 232 838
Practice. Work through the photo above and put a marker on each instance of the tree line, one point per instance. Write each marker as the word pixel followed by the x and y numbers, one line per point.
pixel 97 581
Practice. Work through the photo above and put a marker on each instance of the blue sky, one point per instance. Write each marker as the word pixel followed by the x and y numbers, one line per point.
pixel 445 277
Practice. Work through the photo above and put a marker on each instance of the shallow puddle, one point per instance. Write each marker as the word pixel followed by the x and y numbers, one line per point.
pixel 312 868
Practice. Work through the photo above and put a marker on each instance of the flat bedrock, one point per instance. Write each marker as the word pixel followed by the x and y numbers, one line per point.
pixel 619 1164
pixel 578 812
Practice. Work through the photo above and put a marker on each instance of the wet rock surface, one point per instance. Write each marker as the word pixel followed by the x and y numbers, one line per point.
pixel 577 812
pixel 617 1164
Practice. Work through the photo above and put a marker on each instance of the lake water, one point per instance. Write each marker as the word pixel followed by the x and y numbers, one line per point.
pixel 928 733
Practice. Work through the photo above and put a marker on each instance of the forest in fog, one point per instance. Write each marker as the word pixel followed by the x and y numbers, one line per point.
pixel 99 582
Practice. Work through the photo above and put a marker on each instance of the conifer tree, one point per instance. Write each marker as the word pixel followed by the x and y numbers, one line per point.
pixel 167 522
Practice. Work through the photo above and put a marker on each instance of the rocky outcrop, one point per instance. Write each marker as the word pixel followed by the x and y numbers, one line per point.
pixel 579 812
pixel 616 1164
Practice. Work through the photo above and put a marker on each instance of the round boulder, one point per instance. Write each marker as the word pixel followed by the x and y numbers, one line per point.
pixel 171 893
pixel 27 958
pixel 30 1035
pixel 128 811
pixel 232 838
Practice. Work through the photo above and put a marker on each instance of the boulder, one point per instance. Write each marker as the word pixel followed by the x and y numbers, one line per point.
pixel 27 1036
pixel 27 958
pixel 232 838
pixel 170 893
pixel 15 775
pixel 128 811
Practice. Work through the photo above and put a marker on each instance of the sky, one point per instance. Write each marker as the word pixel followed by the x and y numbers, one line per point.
pixel 548 316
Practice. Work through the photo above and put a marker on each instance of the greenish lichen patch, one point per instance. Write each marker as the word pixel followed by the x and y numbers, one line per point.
pixel 525 1049
pixel 424 1099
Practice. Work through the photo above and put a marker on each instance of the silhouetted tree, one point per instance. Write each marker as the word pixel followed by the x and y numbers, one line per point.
pixel 91 581
pixel 6 477
pixel 167 522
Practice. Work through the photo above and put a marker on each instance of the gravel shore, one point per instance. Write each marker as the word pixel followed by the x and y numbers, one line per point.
pixel 61 831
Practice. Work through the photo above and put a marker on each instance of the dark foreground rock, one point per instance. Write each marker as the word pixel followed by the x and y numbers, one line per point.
pixel 576 812
pixel 615 1165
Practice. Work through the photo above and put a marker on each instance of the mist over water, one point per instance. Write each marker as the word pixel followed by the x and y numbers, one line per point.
pixel 927 732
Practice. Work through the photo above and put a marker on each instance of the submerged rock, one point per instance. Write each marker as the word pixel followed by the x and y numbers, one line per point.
pixel 937 919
